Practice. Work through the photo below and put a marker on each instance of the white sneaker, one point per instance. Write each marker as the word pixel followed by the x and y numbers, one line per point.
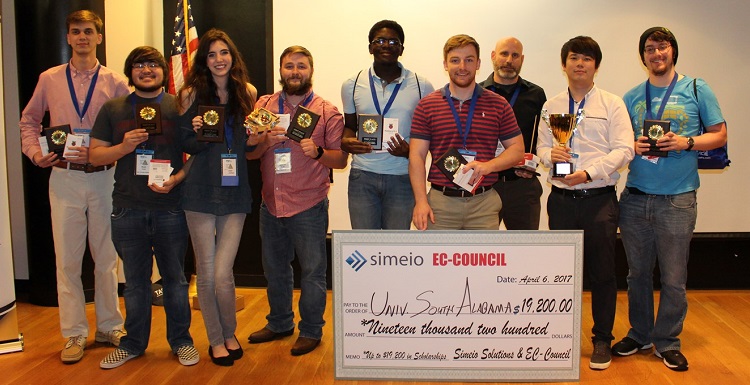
pixel 111 337
pixel 188 355
pixel 116 358
pixel 73 350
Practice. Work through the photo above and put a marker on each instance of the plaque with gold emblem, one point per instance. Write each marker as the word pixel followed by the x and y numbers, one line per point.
pixel 56 138
pixel 450 162
pixel 213 124
pixel 302 125
pixel 370 130
pixel 148 117
pixel 261 120
pixel 654 130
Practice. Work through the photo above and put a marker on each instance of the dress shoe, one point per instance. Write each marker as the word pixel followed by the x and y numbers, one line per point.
pixel 304 345
pixel 266 335
pixel 236 354
pixel 221 361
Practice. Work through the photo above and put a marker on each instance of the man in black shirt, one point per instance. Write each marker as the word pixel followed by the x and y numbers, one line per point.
pixel 519 190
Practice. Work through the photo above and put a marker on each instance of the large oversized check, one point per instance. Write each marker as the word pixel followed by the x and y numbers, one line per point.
pixel 457 305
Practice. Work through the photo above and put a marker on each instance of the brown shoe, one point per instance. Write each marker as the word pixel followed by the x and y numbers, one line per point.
pixel 266 335
pixel 304 345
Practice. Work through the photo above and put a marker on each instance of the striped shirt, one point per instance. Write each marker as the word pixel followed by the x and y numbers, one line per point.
pixel 493 121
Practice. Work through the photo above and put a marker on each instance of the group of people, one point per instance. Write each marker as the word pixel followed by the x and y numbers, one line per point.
pixel 492 125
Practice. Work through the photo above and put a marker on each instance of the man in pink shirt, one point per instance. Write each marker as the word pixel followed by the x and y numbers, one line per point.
pixel 294 212
pixel 80 194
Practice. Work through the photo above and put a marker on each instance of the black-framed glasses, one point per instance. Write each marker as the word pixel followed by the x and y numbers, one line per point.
pixel 663 47
pixel 390 42
pixel 150 64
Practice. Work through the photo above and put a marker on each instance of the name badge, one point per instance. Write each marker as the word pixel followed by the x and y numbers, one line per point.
pixel 282 160
pixel 85 134
pixel 468 155
pixel 143 161
pixel 229 175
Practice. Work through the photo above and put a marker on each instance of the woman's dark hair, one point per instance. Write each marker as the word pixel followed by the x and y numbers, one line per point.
pixel 200 81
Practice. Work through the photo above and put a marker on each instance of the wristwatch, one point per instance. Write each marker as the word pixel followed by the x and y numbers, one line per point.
pixel 691 143
pixel 320 153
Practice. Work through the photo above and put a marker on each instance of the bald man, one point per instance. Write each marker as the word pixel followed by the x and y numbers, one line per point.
pixel 519 190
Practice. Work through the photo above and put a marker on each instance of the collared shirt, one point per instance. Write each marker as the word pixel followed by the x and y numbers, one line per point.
pixel 288 194
pixel 52 94
pixel 678 172
pixel 603 141
pixel 527 108
pixel 433 121
pixel 357 99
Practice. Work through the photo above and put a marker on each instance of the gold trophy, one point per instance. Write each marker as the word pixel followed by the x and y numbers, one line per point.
pixel 562 127
pixel 261 120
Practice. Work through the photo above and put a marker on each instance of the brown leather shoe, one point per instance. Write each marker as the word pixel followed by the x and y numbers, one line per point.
pixel 266 335
pixel 304 345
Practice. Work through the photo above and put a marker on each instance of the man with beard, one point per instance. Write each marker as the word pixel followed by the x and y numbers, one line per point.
pixel 519 189
pixel 294 211
pixel 79 193
pixel 380 195
pixel 463 117
pixel 147 220
pixel 658 207
pixel 585 199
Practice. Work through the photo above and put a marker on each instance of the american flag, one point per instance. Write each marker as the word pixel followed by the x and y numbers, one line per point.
pixel 182 53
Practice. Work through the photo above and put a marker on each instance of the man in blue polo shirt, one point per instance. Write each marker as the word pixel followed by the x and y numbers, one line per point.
pixel 380 195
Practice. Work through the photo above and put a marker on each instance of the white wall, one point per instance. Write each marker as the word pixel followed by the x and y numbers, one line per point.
pixel 712 39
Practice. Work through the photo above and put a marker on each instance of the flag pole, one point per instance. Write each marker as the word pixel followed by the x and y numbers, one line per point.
pixel 187 29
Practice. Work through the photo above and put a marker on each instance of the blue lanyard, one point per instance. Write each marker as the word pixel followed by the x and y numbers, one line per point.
pixel 229 133
pixel 472 106
pixel 515 95
pixel 375 96
pixel 663 101
pixel 303 104
pixel 571 103
pixel 90 94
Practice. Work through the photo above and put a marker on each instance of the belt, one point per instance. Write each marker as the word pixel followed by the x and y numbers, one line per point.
pixel 635 191
pixel 455 192
pixel 87 168
pixel 583 193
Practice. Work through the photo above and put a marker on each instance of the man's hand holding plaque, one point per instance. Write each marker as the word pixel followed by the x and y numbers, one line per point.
pixel 655 130
pixel 370 130
pixel 302 125
pixel 452 165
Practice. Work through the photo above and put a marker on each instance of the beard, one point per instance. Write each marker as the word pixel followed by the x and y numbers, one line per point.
pixel 297 89
pixel 506 72
pixel 153 88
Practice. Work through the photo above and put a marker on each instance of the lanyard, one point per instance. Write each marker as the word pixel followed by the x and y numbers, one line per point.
pixel 663 101
pixel 515 95
pixel 571 103
pixel 229 133
pixel 303 104
pixel 89 95
pixel 472 106
pixel 375 96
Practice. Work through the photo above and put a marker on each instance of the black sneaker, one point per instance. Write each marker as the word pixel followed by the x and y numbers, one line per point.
pixel 629 346
pixel 601 357
pixel 674 360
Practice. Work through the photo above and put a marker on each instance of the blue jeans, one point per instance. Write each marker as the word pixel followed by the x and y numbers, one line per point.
pixel 305 234
pixel 657 228
pixel 139 236
pixel 215 242
pixel 380 201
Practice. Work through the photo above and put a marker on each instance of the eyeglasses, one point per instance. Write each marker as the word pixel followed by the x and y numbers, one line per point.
pixel 661 48
pixel 390 42
pixel 151 64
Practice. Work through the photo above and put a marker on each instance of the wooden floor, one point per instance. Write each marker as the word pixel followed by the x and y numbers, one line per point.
pixel 715 341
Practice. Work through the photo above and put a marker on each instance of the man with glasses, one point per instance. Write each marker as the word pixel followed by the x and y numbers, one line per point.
pixel 147 220
pixel 461 120
pixel 585 198
pixel 380 195
pixel 658 207
pixel 79 193
pixel 519 189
